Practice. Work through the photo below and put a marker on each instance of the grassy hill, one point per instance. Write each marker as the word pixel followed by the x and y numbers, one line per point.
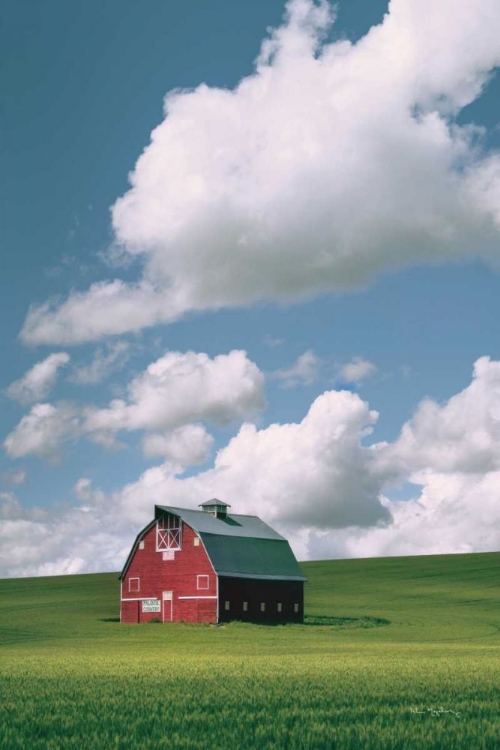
pixel 408 658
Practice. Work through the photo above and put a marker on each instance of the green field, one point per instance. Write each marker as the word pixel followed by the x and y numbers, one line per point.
pixel 408 658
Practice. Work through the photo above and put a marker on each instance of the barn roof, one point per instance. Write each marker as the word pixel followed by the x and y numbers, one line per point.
pixel 241 546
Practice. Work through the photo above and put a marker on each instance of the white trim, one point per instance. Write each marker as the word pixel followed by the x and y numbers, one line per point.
pixel 139 599
pixel 218 603
pixel 197 597
pixel 121 597
pixel 135 578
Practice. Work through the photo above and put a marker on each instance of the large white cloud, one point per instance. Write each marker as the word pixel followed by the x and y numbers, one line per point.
pixel 316 481
pixel 185 387
pixel 36 384
pixel 185 446
pixel 314 473
pixel 453 513
pixel 173 392
pixel 327 165
pixel 462 435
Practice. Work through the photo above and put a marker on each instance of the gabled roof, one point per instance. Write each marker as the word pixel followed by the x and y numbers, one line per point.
pixel 231 525
pixel 238 546
pixel 241 546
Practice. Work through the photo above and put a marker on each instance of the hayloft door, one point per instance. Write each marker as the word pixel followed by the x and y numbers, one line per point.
pixel 168 612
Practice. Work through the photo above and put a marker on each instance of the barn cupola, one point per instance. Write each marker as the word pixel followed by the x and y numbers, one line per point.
pixel 215 507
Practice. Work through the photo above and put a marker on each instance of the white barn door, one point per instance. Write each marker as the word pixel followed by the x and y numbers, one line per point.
pixel 168 606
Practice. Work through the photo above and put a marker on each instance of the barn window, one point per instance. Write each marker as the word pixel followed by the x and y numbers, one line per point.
pixel 196 541
pixel 295 607
pixel 279 606
pixel 134 584
pixel 168 533
pixel 262 606
pixel 245 606
pixel 227 606
pixel 141 545
pixel 202 582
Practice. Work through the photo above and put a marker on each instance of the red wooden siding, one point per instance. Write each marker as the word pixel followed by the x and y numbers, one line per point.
pixel 178 575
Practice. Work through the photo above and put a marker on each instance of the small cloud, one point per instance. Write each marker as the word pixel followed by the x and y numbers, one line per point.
pixel 304 371
pixel 271 341
pixel 37 382
pixel 13 477
pixel 102 364
pixel 356 370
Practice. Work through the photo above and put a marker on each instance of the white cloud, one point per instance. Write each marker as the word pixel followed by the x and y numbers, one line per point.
pixel 463 435
pixel 453 513
pixel 356 370
pixel 102 364
pixel 181 388
pixel 329 164
pixel 304 371
pixel 315 481
pixel 43 431
pixel 176 390
pixel 36 384
pixel 314 473
pixel 185 446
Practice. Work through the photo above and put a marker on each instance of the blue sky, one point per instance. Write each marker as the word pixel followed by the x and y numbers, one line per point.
pixel 310 238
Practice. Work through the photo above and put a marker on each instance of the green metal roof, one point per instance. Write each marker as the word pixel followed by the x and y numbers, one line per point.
pixel 231 525
pixel 241 546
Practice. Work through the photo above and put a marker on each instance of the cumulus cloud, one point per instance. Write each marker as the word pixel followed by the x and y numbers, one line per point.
pixel 313 473
pixel 181 388
pixel 316 480
pixel 36 384
pixel 330 163
pixel 176 390
pixel 453 513
pixel 462 435
pixel 43 431
pixel 185 446
pixel 304 371
pixel 356 370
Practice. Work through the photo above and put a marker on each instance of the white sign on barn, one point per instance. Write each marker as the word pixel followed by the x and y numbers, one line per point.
pixel 151 605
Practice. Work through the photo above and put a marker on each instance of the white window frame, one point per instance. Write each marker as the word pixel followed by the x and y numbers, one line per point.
pixel 141 544
pixel 168 533
pixel 136 587
pixel 196 541
pixel 200 581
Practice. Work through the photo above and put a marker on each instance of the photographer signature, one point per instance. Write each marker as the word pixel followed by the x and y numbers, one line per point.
pixel 436 711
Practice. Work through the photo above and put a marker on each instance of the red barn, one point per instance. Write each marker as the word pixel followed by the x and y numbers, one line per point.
pixel 209 566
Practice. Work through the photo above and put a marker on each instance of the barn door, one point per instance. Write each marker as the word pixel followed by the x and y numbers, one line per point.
pixel 168 611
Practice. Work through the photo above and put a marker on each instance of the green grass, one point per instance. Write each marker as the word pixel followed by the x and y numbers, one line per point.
pixel 395 653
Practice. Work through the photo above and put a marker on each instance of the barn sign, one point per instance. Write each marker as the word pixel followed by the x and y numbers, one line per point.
pixel 151 605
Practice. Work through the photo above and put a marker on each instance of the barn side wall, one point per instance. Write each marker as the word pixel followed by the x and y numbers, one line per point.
pixel 178 575
pixel 254 592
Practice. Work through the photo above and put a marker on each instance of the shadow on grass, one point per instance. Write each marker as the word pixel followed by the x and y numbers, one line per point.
pixel 342 623
pixel 109 619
